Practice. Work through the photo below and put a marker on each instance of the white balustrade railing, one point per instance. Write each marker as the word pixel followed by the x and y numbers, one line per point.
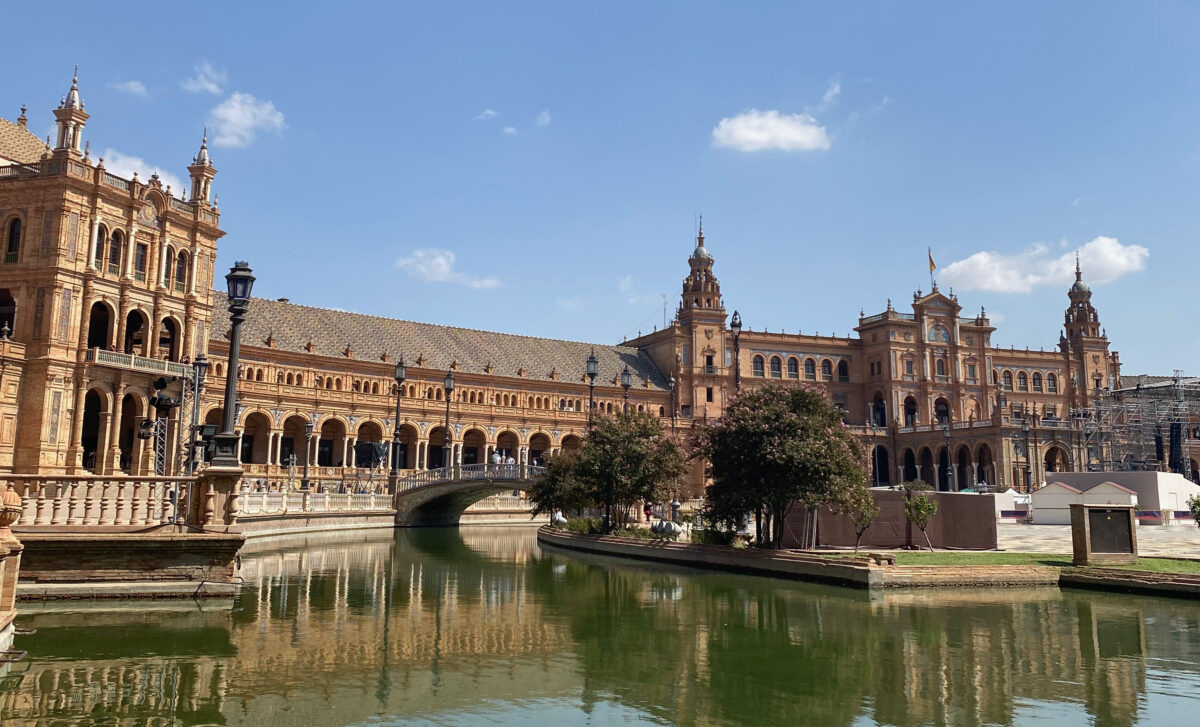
pixel 91 500
pixel 509 472
pixel 251 504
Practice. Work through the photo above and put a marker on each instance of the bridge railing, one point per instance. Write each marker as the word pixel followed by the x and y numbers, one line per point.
pixel 487 471
pixel 253 504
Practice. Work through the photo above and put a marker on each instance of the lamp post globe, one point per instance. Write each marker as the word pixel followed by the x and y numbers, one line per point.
pixel 401 374
pixel 448 446
pixel 592 369
pixel 239 283
pixel 626 382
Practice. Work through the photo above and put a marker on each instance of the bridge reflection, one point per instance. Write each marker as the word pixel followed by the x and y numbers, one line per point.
pixel 333 629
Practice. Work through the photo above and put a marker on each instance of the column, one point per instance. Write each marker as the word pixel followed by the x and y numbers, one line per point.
pixel 162 262
pixel 191 283
pixel 974 474
pixel 95 242
pixel 127 253
pixel 899 473
pixel 348 451
pixel 75 446
pixel 114 440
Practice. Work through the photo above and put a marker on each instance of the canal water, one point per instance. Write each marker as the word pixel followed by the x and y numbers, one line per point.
pixel 480 626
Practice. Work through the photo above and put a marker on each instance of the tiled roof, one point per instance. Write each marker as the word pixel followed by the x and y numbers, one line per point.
pixel 19 145
pixel 292 326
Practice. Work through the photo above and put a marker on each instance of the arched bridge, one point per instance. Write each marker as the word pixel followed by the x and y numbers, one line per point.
pixel 438 497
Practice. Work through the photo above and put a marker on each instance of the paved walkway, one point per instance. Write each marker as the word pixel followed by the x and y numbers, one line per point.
pixel 1182 540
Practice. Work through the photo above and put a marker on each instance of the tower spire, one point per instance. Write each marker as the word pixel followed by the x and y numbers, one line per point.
pixel 70 119
pixel 1078 272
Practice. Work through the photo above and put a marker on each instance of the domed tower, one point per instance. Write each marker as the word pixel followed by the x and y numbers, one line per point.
pixel 69 119
pixel 1085 344
pixel 701 289
pixel 202 172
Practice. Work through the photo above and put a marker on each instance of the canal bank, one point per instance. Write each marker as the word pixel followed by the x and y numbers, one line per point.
pixel 870 573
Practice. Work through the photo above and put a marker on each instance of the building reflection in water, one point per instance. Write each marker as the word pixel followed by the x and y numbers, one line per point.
pixel 334 629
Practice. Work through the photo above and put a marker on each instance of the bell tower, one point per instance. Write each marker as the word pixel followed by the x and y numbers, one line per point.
pixel 1085 344
pixel 70 119
pixel 701 289
pixel 201 172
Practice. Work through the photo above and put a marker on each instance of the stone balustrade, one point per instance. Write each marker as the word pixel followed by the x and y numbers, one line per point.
pixel 255 504
pixel 89 500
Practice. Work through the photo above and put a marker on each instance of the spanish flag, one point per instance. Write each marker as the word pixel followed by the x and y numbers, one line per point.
pixel 932 266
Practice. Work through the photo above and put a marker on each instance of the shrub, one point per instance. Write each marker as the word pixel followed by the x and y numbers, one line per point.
pixel 586 525
pixel 1194 505
pixel 713 537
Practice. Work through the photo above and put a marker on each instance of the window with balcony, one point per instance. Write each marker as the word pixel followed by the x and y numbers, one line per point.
pixel 1008 380
pixel 115 244
pixel 708 394
pixel 843 371
pixel 1037 382
pixel 1052 383
pixel 140 255
pixel 1022 382
pixel 13 250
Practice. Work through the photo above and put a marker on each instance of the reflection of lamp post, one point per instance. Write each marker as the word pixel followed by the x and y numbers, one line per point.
pixel 626 382
pixel 239 282
pixel 401 374
pixel 593 370
pixel 735 325
pixel 308 432
pixel 447 448
pixel 199 370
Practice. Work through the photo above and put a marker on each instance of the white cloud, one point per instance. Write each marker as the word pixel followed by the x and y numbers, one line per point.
pixel 883 103
pixel 124 165
pixel 207 79
pixel 135 88
pixel 487 114
pixel 1103 260
pixel 625 283
pixel 543 118
pixel 568 303
pixel 831 93
pixel 510 130
pixel 236 120
pixel 756 130
pixel 431 265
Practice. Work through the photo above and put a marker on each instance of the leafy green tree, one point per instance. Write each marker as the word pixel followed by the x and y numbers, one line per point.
pixel 559 487
pixel 777 446
pixel 1194 505
pixel 626 458
pixel 860 507
pixel 918 509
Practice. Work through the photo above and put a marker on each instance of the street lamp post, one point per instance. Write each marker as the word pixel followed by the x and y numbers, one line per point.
pixel 626 382
pixel 735 325
pixel 874 454
pixel 199 370
pixel 593 370
pixel 1028 467
pixel 239 282
pixel 448 446
pixel 401 375
pixel 951 476
pixel 308 432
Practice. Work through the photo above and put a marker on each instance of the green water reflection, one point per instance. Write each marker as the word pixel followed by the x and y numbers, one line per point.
pixel 480 626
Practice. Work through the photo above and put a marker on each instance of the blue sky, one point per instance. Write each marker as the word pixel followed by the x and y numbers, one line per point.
pixel 538 168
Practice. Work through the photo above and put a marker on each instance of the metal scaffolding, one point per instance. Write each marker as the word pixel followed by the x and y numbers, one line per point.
pixel 1150 425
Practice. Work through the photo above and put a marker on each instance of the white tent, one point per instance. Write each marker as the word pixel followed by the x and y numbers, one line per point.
pixel 1156 491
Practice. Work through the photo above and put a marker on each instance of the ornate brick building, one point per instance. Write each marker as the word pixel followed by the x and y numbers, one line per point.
pixel 106 286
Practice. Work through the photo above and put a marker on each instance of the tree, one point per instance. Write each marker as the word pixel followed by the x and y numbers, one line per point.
pixel 774 447
pixel 860 507
pixel 918 509
pixel 559 487
pixel 625 458
pixel 1194 505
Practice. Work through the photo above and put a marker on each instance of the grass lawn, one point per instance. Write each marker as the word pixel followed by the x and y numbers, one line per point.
pixel 1157 565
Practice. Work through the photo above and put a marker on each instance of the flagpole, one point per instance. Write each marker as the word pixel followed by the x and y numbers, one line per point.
pixel 932 284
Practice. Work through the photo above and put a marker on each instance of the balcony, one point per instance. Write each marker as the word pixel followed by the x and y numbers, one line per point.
pixel 133 362
pixel 709 369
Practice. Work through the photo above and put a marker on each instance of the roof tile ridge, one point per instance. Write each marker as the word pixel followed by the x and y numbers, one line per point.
pixel 442 325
